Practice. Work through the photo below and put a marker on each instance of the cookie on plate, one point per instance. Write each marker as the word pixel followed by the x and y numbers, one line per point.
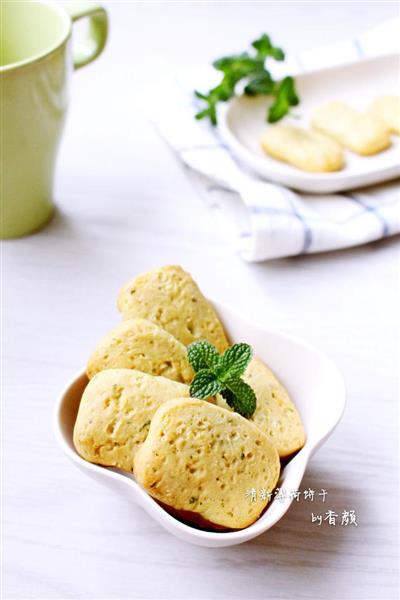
pixel 306 150
pixel 362 133
pixel 388 109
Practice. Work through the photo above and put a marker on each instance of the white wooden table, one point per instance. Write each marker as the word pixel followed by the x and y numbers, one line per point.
pixel 126 205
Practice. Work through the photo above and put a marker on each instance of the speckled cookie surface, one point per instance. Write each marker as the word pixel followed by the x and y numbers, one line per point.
pixel 115 413
pixel 275 413
pixel 170 298
pixel 142 345
pixel 202 459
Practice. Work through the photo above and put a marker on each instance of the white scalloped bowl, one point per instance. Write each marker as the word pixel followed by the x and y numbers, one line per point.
pixel 314 384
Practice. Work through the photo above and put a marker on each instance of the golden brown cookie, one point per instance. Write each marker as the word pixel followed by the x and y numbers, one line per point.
pixel 142 345
pixel 115 413
pixel 275 413
pixel 170 298
pixel 204 460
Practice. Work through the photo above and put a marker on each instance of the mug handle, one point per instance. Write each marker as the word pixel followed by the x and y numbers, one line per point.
pixel 90 49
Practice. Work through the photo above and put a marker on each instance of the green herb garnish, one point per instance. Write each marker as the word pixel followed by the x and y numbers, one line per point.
pixel 221 374
pixel 258 80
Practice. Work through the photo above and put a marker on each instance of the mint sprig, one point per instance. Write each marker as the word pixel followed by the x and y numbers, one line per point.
pixel 252 70
pixel 221 374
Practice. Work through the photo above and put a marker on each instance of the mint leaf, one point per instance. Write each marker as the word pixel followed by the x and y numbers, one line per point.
pixel 285 98
pixel 211 113
pixel 241 397
pixel 265 48
pixel 205 384
pixel 203 355
pixel 234 361
pixel 287 86
pixel 221 374
pixel 262 84
pixel 237 66
pixel 201 96
pixel 250 67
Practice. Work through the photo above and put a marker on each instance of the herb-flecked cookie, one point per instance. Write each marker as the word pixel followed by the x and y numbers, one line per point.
pixel 275 415
pixel 201 460
pixel 170 298
pixel 115 413
pixel 142 345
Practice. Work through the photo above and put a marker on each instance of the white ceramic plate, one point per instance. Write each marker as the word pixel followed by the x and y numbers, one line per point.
pixel 314 384
pixel 242 122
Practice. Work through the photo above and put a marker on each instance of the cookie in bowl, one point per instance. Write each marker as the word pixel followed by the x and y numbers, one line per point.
pixel 142 345
pixel 200 459
pixel 275 414
pixel 169 297
pixel 115 413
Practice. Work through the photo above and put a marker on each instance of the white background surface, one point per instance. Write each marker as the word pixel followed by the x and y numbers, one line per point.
pixel 126 205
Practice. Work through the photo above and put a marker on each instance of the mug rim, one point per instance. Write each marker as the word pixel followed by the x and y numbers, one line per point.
pixel 45 53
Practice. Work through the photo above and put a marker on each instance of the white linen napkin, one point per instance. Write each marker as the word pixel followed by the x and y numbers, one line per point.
pixel 265 220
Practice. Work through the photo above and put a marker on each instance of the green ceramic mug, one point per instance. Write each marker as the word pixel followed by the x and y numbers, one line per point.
pixel 36 60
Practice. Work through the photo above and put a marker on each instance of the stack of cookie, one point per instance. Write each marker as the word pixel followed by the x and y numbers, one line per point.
pixel 196 457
